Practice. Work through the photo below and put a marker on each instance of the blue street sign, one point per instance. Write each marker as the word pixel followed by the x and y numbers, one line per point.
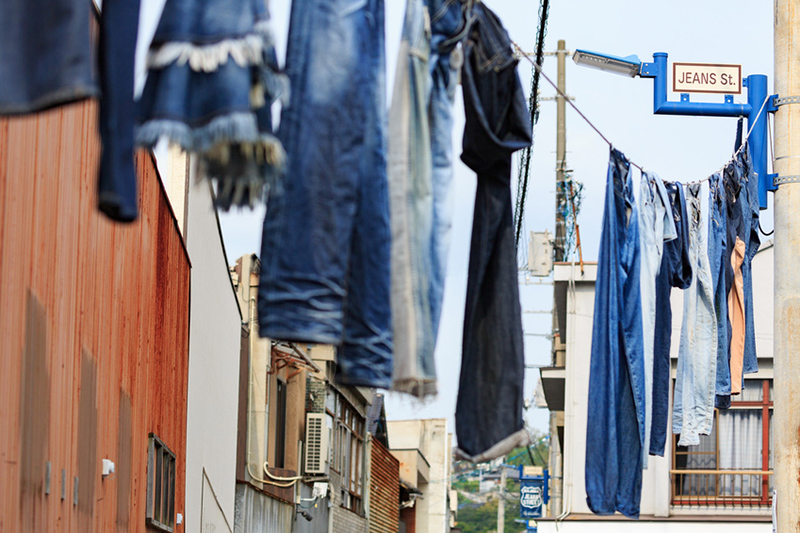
pixel 531 498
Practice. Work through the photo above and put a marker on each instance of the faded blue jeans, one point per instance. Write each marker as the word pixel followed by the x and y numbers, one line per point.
pixel 717 236
pixel 676 271
pixel 326 244
pixel 420 176
pixel 693 405
pixel 615 427
pixel 656 226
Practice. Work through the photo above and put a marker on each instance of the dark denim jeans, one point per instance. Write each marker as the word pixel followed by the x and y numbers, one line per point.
pixel 489 419
pixel 45 54
pixel 717 245
pixel 615 428
pixel 326 243
pixel 676 271
pixel 119 24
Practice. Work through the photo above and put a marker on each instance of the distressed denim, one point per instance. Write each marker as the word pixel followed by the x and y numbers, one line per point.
pixel 420 179
pixel 326 242
pixel 656 226
pixel 717 235
pixel 615 427
pixel 693 407
pixel 752 210
pixel 117 194
pixel 489 407
pixel 45 54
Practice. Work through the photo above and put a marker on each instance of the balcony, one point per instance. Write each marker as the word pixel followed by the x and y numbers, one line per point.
pixel 744 489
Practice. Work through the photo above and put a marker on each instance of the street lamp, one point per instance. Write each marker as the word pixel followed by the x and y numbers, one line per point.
pixel 625 66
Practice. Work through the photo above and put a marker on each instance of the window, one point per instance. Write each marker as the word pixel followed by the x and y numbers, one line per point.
pixel 280 424
pixel 348 446
pixel 732 465
pixel 160 511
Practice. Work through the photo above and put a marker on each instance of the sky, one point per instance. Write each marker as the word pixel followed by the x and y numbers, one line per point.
pixel 677 148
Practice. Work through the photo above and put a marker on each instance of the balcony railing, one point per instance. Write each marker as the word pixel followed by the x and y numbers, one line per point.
pixel 722 488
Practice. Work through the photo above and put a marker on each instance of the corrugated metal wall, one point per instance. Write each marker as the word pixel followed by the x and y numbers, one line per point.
pixel 94 329
pixel 384 491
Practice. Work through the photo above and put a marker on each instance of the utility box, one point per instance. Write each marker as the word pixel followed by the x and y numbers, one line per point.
pixel 540 253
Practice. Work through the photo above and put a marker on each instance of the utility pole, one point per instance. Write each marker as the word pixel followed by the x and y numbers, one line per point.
pixel 501 500
pixel 561 152
pixel 786 339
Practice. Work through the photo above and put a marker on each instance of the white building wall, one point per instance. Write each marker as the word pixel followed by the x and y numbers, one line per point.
pixel 214 340
pixel 432 439
pixel 655 501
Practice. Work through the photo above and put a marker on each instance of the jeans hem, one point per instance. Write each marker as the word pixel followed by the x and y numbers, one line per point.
pixel 297 336
pixel 515 440
pixel 381 383
pixel 415 387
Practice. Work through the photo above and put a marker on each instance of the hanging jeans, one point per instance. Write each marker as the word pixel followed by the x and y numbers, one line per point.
pixel 751 215
pixel 420 175
pixel 676 271
pixel 693 407
pixel 717 235
pixel 326 243
pixel 45 54
pixel 656 226
pixel 117 195
pixel 489 407
pixel 615 428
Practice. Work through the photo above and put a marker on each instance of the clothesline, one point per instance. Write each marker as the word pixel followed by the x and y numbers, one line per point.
pixel 610 144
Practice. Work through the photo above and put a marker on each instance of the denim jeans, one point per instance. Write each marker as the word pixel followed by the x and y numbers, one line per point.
pixel 615 427
pixel 448 27
pixel 656 225
pixel 717 235
pixel 676 271
pixel 45 54
pixel 326 242
pixel 752 211
pixel 693 406
pixel 489 407
pixel 119 24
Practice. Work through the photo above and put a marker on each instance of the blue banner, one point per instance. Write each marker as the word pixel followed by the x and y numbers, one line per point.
pixel 531 501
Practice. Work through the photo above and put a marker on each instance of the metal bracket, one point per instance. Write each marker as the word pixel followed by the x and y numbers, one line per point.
pixel 780 180
pixel 777 102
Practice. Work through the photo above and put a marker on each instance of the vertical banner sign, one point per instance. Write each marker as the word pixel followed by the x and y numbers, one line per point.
pixel 530 498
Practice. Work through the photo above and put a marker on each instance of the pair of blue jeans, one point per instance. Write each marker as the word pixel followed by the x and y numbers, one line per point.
pixel 656 226
pixel 46 60
pixel 695 382
pixel 676 271
pixel 420 176
pixel 326 243
pixel 45 55
pixel 490 401
pixel 751 215
pixel 717 245
pixel 615 427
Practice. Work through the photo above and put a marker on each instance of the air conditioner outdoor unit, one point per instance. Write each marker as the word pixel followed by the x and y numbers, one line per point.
pixel 316 445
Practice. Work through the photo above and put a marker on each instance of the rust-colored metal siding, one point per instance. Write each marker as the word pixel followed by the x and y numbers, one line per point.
pixel 94 326
pixel 384 491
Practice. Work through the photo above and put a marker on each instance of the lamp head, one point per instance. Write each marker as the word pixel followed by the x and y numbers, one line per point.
pixel 625 66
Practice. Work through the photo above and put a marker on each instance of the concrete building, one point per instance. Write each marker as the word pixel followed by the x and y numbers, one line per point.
pixel 722 484
pixel 424 449
pixel 215 333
